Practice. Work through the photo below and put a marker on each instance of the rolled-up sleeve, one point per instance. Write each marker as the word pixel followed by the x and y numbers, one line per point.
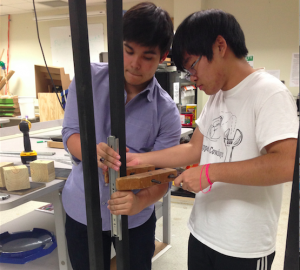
pixel 71 122
pixel 170 129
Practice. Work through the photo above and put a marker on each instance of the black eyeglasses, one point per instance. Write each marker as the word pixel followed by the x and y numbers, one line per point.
pixel 191 71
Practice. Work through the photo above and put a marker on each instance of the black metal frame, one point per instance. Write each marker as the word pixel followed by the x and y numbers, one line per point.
pixel 292 256
pixel 81 56
pixel 117 108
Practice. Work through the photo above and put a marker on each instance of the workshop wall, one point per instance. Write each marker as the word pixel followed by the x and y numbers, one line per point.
pixel 25 51
pixel 271 28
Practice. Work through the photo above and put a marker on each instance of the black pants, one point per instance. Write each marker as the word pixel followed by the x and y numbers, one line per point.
pixel 201 257
pixel 141 245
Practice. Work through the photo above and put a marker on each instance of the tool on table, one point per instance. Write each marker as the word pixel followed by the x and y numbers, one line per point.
pixel 4 196
pixel 28 154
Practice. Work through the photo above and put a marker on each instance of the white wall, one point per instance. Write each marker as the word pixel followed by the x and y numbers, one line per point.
pixel 25 51
pixel 271 28
pixel 24 47
pixel 184 8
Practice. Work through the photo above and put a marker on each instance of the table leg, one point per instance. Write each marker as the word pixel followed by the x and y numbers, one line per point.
pixel 167 218
pixel 59 217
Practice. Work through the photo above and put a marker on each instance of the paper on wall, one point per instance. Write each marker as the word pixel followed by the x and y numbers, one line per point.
pixel 176 92
pixel 294 77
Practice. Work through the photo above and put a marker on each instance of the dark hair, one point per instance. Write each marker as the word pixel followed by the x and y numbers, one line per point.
pixel 148 25
pixel 198 32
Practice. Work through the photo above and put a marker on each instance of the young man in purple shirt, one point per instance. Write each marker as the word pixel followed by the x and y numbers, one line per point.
pixel 152 123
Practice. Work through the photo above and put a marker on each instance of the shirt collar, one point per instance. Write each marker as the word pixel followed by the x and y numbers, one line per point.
pixel 149 88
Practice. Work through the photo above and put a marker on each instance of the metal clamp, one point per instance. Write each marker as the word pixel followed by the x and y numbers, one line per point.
pixel 116 225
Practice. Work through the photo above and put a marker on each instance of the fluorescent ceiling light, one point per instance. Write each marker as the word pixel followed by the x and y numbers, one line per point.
pixel 66 16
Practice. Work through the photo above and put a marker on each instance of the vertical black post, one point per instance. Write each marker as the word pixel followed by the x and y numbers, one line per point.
pixel 81 55
pixel 291 260
pixel 117 108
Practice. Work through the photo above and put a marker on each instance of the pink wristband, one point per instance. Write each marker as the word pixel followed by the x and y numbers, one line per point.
pixel 207 176
pixel 200 180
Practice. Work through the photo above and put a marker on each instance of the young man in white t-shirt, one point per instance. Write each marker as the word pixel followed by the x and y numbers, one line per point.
pixel 245 140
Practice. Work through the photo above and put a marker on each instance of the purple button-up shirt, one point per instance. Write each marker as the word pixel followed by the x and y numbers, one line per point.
pixel 152 123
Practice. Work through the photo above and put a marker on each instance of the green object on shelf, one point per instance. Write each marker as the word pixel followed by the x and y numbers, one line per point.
pixel 9 105
pixel 2 64
pixel 6 101
pixel 7 109
pixel 7 114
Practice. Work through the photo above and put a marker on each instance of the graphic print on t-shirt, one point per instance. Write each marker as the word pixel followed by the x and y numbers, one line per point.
pixel 232 136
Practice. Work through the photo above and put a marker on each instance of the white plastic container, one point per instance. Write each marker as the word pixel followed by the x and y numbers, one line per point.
pixel 27 107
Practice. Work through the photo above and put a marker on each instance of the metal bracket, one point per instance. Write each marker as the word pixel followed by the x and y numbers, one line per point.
pixel 116 225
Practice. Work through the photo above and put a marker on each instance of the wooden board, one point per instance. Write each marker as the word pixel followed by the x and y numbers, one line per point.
pixel 133 170
pixel 16 177
pixel 61 178
pixel 60 173
pixel 4 164
pixel 159 246
pixel 53 144
pixel 49 107
pixel 42 170
pixel 43 81
pixel 33 187
pixel 9 100
pixel 144 180
pixel 139 169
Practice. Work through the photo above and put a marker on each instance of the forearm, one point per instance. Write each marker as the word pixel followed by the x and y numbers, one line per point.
pixel 270 169
pixel 151 195
pixel 179 155
pixel 74 145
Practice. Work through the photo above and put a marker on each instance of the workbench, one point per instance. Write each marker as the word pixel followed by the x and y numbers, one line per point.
pixel 15 120
pixel 3 121
pixel 11 139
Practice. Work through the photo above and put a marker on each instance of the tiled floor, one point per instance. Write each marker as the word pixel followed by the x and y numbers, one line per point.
pixel 176 257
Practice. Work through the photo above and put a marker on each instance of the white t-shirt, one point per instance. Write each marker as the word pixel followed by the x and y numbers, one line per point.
pixel 238 220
